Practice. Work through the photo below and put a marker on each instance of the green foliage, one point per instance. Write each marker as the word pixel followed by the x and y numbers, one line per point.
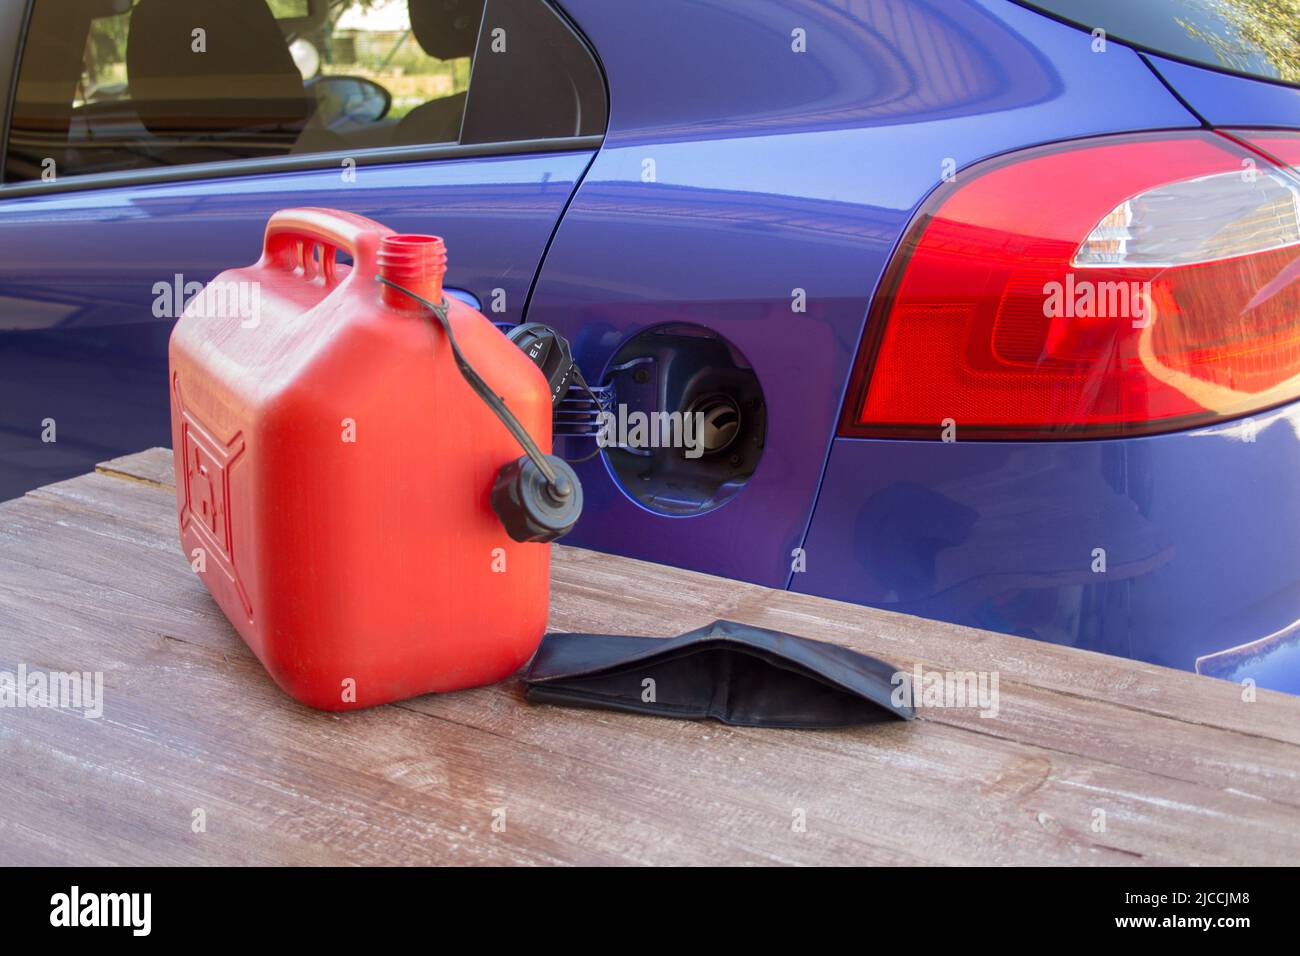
pixel 288 9
pixel 1268 28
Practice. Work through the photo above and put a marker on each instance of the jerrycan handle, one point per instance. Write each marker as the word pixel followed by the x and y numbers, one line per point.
pixel 307 238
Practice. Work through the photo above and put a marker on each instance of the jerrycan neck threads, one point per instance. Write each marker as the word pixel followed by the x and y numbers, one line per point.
pixel 416 263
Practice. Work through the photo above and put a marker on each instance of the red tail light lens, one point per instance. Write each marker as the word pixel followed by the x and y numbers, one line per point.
pixel 1282 145
pixel 1117 286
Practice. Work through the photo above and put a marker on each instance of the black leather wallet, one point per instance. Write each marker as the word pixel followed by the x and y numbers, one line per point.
pixel 740 675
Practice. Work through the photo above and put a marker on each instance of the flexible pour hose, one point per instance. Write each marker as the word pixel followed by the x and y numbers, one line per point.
pixel 559 485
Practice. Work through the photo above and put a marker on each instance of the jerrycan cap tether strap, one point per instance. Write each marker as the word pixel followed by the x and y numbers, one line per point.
pixel 537 497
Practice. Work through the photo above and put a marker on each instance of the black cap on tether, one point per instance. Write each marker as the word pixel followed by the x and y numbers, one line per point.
pixel 532 508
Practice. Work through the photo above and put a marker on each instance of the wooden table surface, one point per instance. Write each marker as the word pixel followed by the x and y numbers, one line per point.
pixel 1091 759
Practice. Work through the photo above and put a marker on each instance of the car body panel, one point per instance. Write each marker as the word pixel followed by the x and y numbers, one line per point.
pixel 80 344
pixel 1009 536
pixel 1225 99
pixel 1272 661
pixel 776 171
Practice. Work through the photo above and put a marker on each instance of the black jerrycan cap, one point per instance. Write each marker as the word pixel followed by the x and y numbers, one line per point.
pixel 533 509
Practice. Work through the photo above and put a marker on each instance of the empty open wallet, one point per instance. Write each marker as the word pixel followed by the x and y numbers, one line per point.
pixel 741 675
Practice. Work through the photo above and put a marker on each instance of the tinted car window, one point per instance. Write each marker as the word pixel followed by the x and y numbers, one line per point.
pixel 533 78
pixel 1256 37
pixel 110 85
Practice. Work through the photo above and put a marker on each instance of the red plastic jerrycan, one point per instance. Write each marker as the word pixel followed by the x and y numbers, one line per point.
pixel 333 468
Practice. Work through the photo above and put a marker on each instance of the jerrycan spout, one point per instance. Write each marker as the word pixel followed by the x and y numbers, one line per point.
pixel 413 262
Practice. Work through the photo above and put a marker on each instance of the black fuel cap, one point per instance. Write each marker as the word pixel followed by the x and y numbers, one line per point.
pixel 549 351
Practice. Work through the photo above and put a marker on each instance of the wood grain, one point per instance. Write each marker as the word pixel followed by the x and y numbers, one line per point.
pixel 91 578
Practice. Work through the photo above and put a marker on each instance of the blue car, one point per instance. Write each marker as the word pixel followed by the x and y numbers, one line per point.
pixel 990 309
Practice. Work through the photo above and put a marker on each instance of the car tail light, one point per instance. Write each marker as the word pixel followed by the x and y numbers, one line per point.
pixel 1283 146
pixel 1118 286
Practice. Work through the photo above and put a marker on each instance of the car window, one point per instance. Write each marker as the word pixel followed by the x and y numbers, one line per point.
pixel 114 85
pixel 1258 38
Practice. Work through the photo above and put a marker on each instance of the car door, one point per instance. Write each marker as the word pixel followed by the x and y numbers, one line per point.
pixel 148 141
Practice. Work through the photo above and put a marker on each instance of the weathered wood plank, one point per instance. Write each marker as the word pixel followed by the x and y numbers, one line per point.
pixel 1102 729
pixel 185 724
pixel 587 578
pixel 148 466
pixel 91 578
pixel 914 791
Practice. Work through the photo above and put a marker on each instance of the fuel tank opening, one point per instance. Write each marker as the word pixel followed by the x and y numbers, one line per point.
pixel 686 429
